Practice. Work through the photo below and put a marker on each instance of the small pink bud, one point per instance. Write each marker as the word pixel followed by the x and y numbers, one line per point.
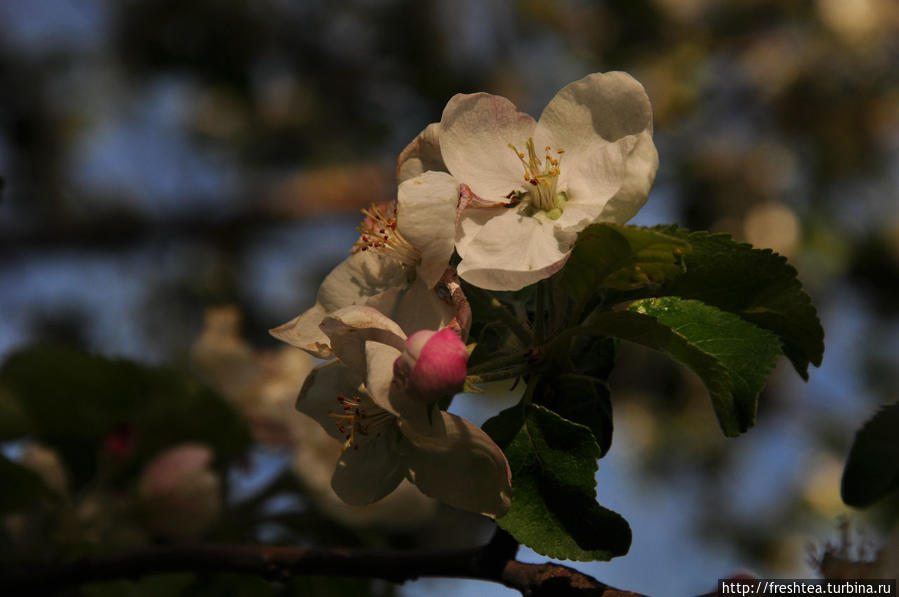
pixel 433 364
pixel 180 492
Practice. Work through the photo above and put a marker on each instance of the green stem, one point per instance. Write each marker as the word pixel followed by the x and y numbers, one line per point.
pixel 502 362
pixel 499 374
pixel 540 312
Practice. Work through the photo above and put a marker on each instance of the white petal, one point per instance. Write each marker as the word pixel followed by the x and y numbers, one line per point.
pixel 475 132
pixel 426 217
pixel 591 178
pixel 604 124
pixel 358 278
pixel 604 106
pixel 350 328
pixel 303 332
pixel 414 307
pixel 640 168
pixel 318 397
pixel 502 249
pixel 379 362
pixel 459 464
pixel 421 155
pixel 367 474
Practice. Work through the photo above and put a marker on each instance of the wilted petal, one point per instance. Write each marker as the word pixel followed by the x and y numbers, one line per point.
pixel 457 463
pixel 358 278
pixel 350 328
pixel 355 281
pixel 303 332
pixel 503 249
pixel 421 155
pixel 366 473
pixel 426 212
pixel 475 133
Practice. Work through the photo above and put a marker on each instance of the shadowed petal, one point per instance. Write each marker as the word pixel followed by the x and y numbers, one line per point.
pixel 421 155
pixel 351 327
pixel 503 249
pixel 426 212
pixel 457 463
pixel 318 397
pixel 367 474
pixel 303 332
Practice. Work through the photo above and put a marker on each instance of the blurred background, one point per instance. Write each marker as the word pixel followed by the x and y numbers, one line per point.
pixel 179 176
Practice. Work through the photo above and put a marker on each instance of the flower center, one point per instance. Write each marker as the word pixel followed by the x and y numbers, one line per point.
pixel 378 231
pixel 354 419
pixel 541 178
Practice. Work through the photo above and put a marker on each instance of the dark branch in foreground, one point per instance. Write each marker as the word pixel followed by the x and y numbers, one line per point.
pixel 493 562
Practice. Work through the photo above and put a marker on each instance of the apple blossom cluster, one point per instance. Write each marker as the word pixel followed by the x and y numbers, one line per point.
pixel 493 197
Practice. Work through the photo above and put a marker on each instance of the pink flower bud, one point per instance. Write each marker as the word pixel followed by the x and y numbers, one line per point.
pixel 179 492
pixel 432 365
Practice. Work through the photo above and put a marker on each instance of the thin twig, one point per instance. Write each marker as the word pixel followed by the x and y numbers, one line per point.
pixel 493 562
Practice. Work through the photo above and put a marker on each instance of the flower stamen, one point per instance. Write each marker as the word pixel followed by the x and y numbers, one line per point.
pixel 542 176
pixel 378 231
pixel 354 419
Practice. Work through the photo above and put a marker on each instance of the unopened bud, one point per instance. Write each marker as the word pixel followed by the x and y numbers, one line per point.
pixel 180 492
pixel 432 365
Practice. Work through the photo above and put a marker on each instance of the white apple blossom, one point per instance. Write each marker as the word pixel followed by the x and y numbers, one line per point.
pixel 387 434
pixel 402 253
pixel 589 158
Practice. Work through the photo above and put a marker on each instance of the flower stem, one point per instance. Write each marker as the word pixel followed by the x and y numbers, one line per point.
pixel 540 313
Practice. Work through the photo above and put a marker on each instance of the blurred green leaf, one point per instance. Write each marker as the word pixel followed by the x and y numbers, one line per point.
pixel 757 284
pixel 181 409
pixel 872 469
pixel 14 421
pixel 554 509
pixel 22 487
pixel 75 400
pixel 731 356
pixel 621 257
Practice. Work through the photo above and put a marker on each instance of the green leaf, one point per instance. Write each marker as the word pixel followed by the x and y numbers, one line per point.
pixel 622 257
pixel 22 487
pixel 756 284
pixel 594 356
pixel 872 469
pixel 503 427
pixel 731 356
pixel 554 509
pixel 580 399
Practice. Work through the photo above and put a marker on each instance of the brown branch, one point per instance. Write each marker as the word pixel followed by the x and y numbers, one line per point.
pixel 493 562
